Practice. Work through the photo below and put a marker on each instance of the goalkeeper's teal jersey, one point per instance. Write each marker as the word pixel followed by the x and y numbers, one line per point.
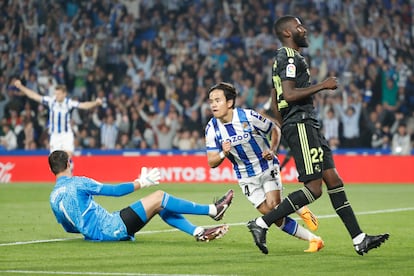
pixel 74 207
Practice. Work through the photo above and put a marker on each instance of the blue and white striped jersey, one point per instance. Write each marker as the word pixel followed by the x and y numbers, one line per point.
pixel 248 133
pixel 59 114
pixel 75 209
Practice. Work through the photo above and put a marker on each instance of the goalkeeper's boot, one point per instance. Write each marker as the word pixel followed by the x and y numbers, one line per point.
pixel 223 204
pixel 259 235
pixel 309 218
pixel 315 245
pixel 370 242
pixel 212 233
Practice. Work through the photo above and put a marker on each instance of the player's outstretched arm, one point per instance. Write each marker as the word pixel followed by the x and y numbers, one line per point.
pixel 147 178
pixel 28 92
pixel 90 104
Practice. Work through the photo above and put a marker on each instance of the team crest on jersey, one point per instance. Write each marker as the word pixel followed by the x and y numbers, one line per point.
pixel 291 71
pixel 246 127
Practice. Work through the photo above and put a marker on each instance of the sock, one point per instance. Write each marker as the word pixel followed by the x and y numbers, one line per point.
pixel 304 234
pixel 293 228
pixel 299 211
pixel 182 206
pixel 138 208
pixel 344 210
pixel 289 226
pixel 358 239
pixel 261 222
pixel 177 221
pixel 212 210
pixel 198 230
pixel 290 204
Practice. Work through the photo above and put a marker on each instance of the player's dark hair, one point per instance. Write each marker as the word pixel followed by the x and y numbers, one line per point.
pixel 280 25
pixel 58 161
pixel 229 91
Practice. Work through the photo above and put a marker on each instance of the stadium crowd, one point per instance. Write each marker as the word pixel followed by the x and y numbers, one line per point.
pixel 152 62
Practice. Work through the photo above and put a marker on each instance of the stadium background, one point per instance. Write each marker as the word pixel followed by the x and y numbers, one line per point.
pixel 153 61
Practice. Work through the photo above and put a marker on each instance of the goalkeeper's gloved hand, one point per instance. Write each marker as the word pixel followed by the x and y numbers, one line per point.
pixel 149 178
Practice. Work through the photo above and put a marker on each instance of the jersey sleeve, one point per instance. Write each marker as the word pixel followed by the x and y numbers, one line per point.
pixel 73 103
pixel 117 190
pixel 46 100
pixel 286 64
pixel 94 187
pixel 211 139
pixel 260 122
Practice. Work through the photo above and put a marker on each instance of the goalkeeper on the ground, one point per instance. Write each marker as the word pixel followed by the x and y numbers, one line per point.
pixel 73 204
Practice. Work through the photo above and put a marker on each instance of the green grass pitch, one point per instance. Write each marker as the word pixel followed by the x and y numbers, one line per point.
pixel 32 243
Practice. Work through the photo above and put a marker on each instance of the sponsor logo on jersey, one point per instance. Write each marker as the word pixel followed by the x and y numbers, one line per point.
pixel 239 139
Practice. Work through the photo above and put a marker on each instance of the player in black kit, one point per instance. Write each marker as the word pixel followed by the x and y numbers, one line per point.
pixel 292 103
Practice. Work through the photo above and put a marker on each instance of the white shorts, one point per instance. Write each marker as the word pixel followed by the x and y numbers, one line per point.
pixel 256 187
pixel 62 141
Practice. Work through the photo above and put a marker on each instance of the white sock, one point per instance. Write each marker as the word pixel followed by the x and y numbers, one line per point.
pixel 198 230
pixel 358 239
pixel 299 211
pixel 261 223
pixel 304 234
pixel 212 210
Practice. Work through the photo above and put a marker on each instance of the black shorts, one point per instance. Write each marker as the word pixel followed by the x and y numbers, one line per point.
pixel 132 221
pixel 309 149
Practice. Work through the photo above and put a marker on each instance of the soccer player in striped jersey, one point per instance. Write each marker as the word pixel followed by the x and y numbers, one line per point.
pixel 293 107
pixel 60 108
pixel 72 202
pixel 241 135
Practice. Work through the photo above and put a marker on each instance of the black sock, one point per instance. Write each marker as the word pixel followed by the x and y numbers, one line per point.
pixel 289 205
pixel 344 210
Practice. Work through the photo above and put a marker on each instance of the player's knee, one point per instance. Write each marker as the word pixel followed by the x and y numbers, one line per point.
pixel 271 204
pixel 157 197
pixel 159 194
pixel 266 207
pixel 315 187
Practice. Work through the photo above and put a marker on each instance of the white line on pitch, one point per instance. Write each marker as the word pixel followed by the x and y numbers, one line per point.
pixel 32 272
pixel 230 224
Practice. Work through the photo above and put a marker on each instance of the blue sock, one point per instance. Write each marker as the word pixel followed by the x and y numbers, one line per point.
pixel 177 221
pixel 139 210
pixel 289 226
pixel 182 206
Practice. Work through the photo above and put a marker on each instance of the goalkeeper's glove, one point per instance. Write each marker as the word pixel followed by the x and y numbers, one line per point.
pixel 149 178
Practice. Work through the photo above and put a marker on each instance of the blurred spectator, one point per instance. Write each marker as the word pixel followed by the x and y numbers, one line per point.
pixel 124 142
pixel 26 137
pixel 158 55
pixel 381 138
pixel 9 139
pixel 331 129
pixel 4 100
pixel 108 129
pixel 349 115
pixel 165 135
pixel 184 140
pixel 401 141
